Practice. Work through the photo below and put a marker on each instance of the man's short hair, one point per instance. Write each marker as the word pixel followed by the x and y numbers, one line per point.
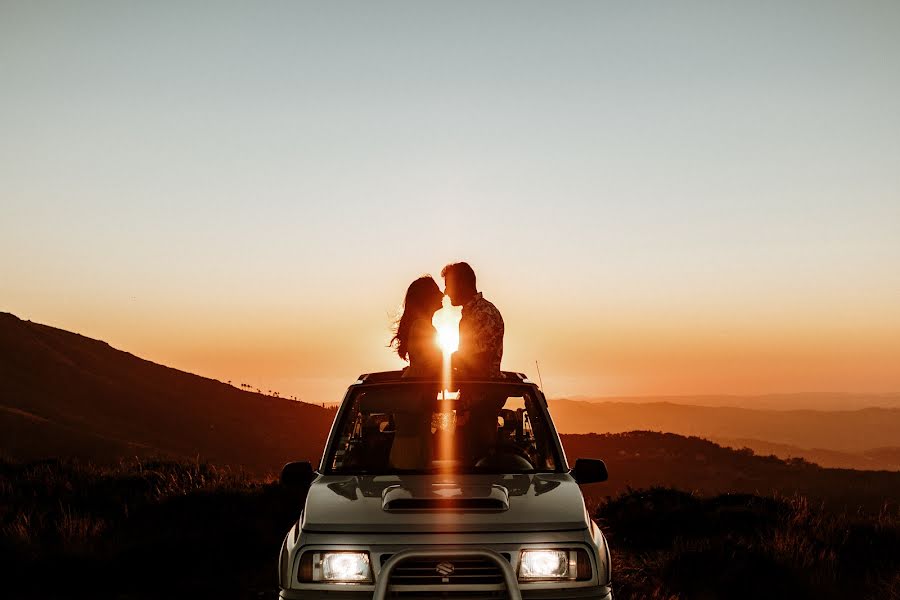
pixel 461 273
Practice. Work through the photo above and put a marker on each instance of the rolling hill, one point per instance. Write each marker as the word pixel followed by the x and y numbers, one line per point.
pixel 876 459
pixel 823 401
pixel 63 394
pixel 845 431
pixel 644 459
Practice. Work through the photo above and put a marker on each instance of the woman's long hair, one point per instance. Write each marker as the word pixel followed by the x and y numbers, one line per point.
pixel 420 299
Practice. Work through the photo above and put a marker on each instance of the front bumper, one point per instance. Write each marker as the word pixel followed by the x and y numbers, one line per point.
pixel 509 590
pixel 597 593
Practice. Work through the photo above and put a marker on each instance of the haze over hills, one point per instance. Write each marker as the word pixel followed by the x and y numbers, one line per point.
pixel 847 431
pixel 827 401
pixel 643 459
pixel 876 459
pixel 63 394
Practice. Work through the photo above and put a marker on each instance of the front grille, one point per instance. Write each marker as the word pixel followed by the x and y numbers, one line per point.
pixel 454 595
pixel 441 571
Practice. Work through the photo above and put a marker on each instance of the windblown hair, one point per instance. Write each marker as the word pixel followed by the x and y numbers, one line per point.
pixel 415 306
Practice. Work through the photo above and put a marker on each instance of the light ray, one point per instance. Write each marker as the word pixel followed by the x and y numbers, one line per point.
pixel 446 321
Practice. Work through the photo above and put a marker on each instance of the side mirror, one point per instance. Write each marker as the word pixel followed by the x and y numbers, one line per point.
pixel 590 470
pixel 297 474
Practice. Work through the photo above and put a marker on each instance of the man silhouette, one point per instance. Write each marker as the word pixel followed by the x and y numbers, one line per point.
pixel 481 327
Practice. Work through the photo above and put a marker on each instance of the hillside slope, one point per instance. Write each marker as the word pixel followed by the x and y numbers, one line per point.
pixel 827 401
pixel 846 431
pixel 643 459
pixel 63 394
pixel 876 459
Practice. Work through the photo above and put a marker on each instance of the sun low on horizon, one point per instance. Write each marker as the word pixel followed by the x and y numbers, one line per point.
pixel 660 202
pixel 446 323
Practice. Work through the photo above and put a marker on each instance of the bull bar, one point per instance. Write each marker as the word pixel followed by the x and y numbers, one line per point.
pixel 509 576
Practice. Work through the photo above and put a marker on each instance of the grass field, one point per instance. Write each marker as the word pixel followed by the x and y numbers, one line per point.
pixel 145 529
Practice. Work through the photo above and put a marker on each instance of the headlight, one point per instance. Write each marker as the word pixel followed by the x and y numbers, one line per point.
pixel 554 565
pixel 345 566
pixel 544 564
pixel 335 567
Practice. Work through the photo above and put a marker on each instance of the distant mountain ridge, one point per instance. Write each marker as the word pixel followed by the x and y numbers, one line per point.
pixel 64 394
pixel 874 459
pixel 846 431
pixel 643 459
pixel 820 401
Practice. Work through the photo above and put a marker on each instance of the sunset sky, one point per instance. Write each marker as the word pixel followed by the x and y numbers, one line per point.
pixel 661 197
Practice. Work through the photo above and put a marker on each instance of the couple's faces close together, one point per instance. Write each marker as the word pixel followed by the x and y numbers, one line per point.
pixel 435 297
pixel 452 291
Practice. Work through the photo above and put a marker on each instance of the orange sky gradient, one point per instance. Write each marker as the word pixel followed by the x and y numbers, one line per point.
pixel 661 200
pixel 590 351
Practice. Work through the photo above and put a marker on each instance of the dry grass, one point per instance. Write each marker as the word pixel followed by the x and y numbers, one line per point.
pixel 104 529
pixel 148 529
pixel 670 544
pixel 72 502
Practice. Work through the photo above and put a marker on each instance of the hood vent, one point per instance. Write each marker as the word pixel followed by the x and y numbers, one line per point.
pixel 441 497
pixel 491 504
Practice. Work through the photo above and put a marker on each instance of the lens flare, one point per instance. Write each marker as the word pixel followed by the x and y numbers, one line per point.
pixel 446 321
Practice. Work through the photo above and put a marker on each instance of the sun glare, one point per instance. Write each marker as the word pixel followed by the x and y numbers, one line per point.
pixel 446 321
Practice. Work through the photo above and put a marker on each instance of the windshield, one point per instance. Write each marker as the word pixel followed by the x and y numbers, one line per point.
pixel 415 428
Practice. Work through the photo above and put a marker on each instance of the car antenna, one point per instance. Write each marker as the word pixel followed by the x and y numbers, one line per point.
pixel 540 379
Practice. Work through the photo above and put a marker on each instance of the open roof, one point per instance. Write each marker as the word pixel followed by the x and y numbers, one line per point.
pixel 397 376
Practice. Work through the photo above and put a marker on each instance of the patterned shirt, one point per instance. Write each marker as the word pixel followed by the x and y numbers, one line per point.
pixel 480 338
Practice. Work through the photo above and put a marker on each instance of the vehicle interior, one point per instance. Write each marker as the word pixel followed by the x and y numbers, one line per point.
pixel 418 428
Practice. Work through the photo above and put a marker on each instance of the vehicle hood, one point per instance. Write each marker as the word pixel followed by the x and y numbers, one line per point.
pixel 445 504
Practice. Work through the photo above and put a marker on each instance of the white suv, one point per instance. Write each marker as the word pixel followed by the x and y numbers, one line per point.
pixel 424 492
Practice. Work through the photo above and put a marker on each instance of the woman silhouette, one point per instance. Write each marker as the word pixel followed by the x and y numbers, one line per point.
pixel 416 341
pixel 416 338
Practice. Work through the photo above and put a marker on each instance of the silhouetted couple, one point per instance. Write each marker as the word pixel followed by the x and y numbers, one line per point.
pixel 480 329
